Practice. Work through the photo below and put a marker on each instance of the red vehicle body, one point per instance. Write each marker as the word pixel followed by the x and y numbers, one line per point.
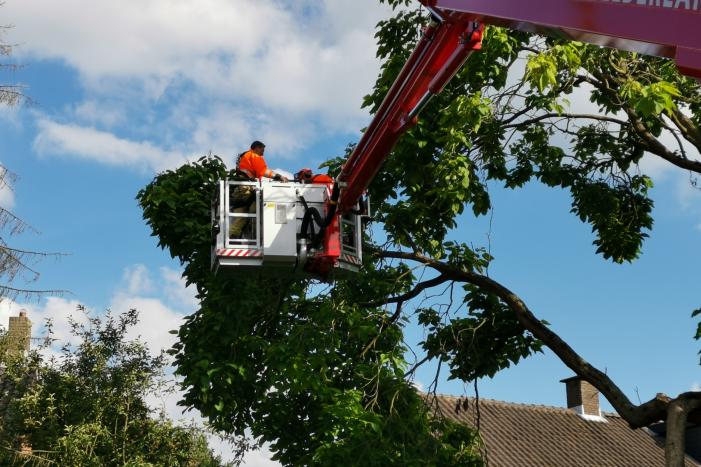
pixel 665 28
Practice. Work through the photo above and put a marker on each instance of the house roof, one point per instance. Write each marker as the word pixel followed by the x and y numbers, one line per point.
pixel 531 435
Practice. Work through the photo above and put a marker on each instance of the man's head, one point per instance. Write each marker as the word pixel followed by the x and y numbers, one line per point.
pixel 258 147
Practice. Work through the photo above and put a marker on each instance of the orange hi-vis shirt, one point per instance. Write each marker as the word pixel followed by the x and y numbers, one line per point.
pixel 254 166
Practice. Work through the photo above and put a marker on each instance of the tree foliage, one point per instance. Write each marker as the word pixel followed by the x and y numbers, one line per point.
pixel 531 109
pixel 318 376
pixel 321 373
pixel 509 116
pixel 88 405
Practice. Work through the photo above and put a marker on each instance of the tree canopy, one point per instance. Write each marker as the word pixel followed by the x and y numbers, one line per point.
pixel 317 375
pixel 320 373
pixel 87 405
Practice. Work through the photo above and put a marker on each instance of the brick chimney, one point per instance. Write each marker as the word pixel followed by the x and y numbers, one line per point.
pixel 582 397
pixel 19 333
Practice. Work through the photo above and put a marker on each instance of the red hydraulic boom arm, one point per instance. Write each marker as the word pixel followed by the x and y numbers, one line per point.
pixel 665 28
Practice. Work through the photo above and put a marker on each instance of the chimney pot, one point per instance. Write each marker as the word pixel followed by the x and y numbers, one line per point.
pixel 582 397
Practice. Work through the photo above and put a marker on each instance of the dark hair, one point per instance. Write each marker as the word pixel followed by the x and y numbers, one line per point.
pixel 257 144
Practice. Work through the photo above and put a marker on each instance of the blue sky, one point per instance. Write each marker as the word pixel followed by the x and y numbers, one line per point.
pixel 125 89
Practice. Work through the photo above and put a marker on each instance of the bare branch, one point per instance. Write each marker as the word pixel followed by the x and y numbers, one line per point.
pixel 417 365
pixel 418 288
pixel 566 116
pixel 12 293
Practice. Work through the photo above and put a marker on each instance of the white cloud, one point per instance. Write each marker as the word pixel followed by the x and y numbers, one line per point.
pixel 156 319
pixel 96 112
pixel 229 129
pixel 224 71
pixel 162 304
pixel 10 115
pixel 177 293
pixel 7 197
pixel 7 183
pixel 89 143
pixel 148 38
pixel 137 280
pixel 421 387
pixel 696 387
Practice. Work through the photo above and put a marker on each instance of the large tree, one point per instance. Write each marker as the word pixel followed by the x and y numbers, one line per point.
pixel 317 373
pixel 314 373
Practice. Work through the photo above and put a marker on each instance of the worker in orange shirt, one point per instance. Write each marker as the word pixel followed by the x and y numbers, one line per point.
pixel 253 165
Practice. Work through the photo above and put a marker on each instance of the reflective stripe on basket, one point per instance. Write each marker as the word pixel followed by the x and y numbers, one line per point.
pixel 240 253
pixel 350 259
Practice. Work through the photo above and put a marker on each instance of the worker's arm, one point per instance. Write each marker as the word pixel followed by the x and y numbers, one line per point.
pixel 263 170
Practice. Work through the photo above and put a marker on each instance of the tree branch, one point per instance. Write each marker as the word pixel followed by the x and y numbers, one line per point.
pixel 567 116
pixel 690 131
pixel 677 415
pixel 418 288
pixel 653 145
pixel 637 416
